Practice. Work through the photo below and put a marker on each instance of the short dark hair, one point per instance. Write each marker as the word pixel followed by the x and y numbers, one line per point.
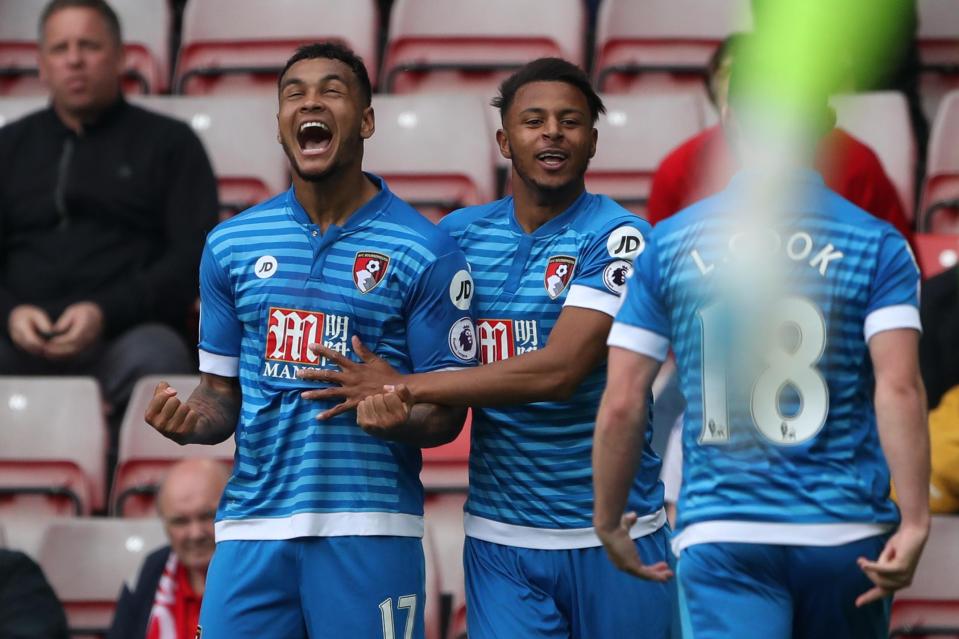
pixel 105 10
pixel 333 51
pixel 727 48
pixel 548 70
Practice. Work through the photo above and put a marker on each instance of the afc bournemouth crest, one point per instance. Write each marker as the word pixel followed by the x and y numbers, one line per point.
pixel 559 271
pixel 369 268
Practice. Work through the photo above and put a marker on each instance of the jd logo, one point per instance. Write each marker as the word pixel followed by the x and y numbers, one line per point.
pixel 461 290
pixel 265 267
pixel 626 243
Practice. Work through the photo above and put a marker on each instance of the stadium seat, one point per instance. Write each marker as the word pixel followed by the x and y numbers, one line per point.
pixel 936 253
pixel 432 613
pixel 661 45
pixel 939 205
pixel 930 606
pixel 14 108
pixel 446 468
pixel 239 46
pixel 469 45
pixel 88 560
pixel 444 516
pixel 436 151
pixel 635 135
pixel 239 134
pixel 881 120
pixel 52 445
pixel 146 34
pixel 938 40
pixel 145 455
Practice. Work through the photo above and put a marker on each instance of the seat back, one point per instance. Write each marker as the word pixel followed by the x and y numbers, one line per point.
pixel 637 132
pixel 938 41
pixel 52 453
pixel 13 108
pixel 662 45
pixel 239 134
pixel 245 53
pixel 467 45
pixel 936 253
pixel 939 205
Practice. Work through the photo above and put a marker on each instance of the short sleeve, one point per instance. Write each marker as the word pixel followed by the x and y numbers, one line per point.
pixel 894 298
pixel 220 328
pixel 642 323
pixel 440 329
pixel 600 276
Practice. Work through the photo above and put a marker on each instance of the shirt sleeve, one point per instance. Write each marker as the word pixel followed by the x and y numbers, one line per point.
pixel 894 298
pixel 642 323
pixel 440 328
pixel 220 327
pixel 600 277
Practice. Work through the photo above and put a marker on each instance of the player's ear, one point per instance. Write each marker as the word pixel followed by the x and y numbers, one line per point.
pixel 502 141
pixel 278 138
pixel 592 147
pixel 367 123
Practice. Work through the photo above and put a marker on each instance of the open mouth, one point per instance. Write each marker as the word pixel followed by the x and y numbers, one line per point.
pixel 552 159
pixel 314 138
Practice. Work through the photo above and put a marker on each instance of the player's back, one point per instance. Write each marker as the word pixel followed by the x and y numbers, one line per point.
pixel 770 324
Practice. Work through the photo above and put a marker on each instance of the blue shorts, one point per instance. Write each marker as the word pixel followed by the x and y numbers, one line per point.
pixel 765 591
pixel 316 587
pixel 564 594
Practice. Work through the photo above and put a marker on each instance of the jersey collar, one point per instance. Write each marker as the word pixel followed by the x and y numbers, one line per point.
pixel 360 216
pixel 554 225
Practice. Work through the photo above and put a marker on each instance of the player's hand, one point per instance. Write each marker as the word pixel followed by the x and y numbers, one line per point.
pixel 379 414
pixel 356 381
pixel 169 416
pixel 29 328
pixel 621 550
pixel 896 564
pixel 79 326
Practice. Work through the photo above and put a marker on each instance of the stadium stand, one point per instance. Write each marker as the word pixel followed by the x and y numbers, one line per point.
pixel 145 455
pixel 938 39
pixel 939 205
pixel 634 136
pixel 146 26
pixel 87 561
pixel 930 606
pixel 15 107
pixel 661 45
pixel 239 134
pixel 52 453
pixel 432 613
pixel 469 45
pixel 446 468
pixel 881 120
pixel 411 130
pixel 444 517
pixel 245 53
pixel 936 252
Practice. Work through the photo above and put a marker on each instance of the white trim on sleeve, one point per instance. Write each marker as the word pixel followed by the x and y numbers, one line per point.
pixel 890 318
pixel 639 340
pixel 594 299
pixel 221 365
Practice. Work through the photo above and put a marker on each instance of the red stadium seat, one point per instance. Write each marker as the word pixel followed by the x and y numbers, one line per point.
pixel 938 40
pixel 469 45
pixel 881 120
pixel 145 455
pixel 661 45
pixel 88 560
pixel 635 135
pixel 930 606
pixel 146 42
pixel 52 453
pixel 936 253
pixel 239 46
pixel 446 468
pixel 435 151
pixel 444 516
pixel 940 199
pixel 239 134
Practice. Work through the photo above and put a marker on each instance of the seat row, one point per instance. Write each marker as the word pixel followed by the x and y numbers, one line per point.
pixel 230 46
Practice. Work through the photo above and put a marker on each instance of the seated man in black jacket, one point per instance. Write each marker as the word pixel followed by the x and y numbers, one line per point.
pixel 29 609
pixel 166 599
pixel 104 208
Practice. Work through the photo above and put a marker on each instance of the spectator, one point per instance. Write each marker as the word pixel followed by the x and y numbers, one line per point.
pixel 104 207
pixel 29 609
pixel 703 165
pixel 165 604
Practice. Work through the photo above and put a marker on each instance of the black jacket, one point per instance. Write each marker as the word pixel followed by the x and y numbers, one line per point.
pixel 939 345
pixel 116 215
pixel 29 609
pixel 133 608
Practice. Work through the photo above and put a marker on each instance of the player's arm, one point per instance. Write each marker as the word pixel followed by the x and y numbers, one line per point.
pixel 617 448
pixel 209 416
pixel 393 415
pixel 901 417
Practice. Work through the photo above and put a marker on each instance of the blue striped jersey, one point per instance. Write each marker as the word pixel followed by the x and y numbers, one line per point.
pixel 271 283
pixel 770 326
pixel 530 470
